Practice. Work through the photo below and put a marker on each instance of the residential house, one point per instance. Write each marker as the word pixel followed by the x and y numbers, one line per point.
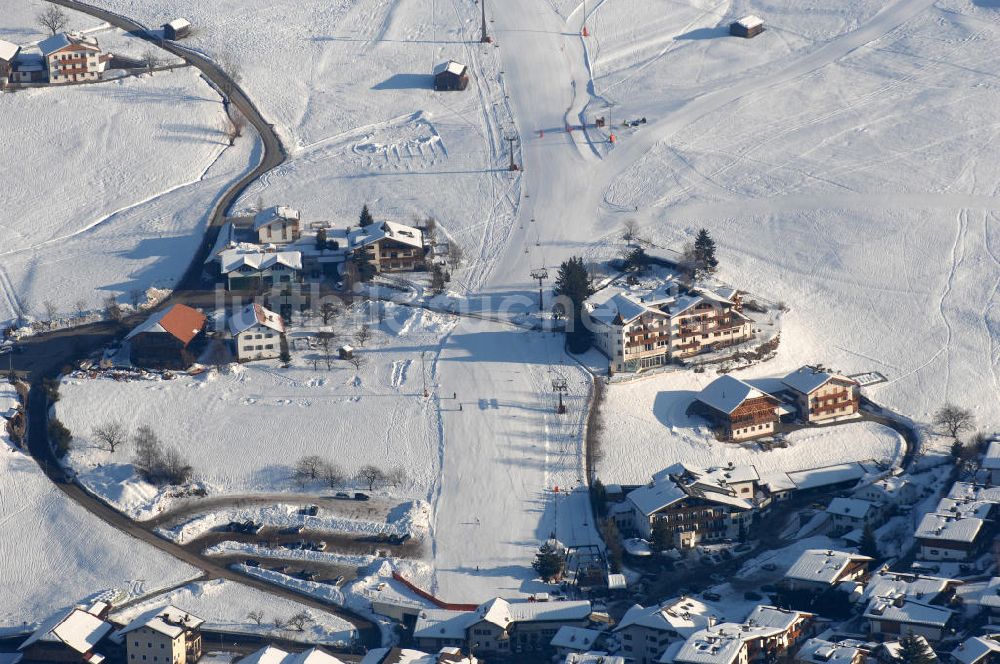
pixel 76 635
pixel 28 67
pixel 766 634
pixel 450 76
pixel 447 655
pixel 823 395
pixel 642 329
pixel 273 655
pixel 961 526
pixel 696 506
pixel 72 58
pixel 991 461
pixel 645 632
pixel 737 410
pixel 8 54
pixel 821 651
pixel 259 270
pixel 900 615
pixel 977 650
pixel 164 636
pixel 500 626
pixel 848 514
pixel 747 27
pixel 258 333
pixel 817 570
pixel 891 491
pixel 887 584
pixel 989 599
pixel 891 652
pixel 569 640
pixel 278 224
pixel 389 247
pixel 840 476
pixel 169 339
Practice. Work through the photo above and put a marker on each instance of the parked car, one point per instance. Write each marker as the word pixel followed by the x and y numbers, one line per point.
pixel 311 510
pixel 342 496
pixel 398 539
pixel 281 569
pixel 319 546
pixel 250 562
pixel 339 580
pixel 290 530
pixel 714 597
pixel 360 496
pixel 307 575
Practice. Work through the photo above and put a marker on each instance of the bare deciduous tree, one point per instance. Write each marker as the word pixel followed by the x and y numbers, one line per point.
pixel 371 476
pixel 110 435
pixel 53 19
pixel 629 228
pixel 299 621
pixel 357 361
pixel 256 617
pixel 328 311
pixel 308 468
pixel 954 419
pixel 455 255
pixel 112 310
pixel 396 476
pixel 50 312
pixel 363 334
pixel 151 59
pixel 325 341
pixel 80 308
pixel 333 474
pixel 136 297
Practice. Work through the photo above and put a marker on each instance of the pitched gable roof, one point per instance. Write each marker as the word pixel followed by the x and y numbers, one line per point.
pixel 8 51
pixel 726 393
pixel 78 629
pixel 274 214
pixel 255 314
pixel 62 40
pixel 452 67
pixel 807 380
pixel 178 320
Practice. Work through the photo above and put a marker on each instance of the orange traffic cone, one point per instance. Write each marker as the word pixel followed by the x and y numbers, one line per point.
pixel 586 33
pixel 613 138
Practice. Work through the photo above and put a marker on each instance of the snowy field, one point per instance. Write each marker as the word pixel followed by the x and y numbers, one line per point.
pixel 137 162
pixel 55 554
pixel 224 605
pixel 243 430
pixel 646 429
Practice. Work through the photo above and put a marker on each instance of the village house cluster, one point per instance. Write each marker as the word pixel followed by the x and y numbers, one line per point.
pixel 65 57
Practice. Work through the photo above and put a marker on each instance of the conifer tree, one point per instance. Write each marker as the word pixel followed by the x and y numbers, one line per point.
pixel 868 546
pixel 366 218
pixel 704 251
pixel 914 650
pixel 548 562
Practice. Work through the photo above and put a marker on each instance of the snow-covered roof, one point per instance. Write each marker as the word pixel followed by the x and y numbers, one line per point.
pixel 593 658
pixel 452 67
pixel 274 214
pixel 169 621
pixel 617 582
pixel 179 23
pixel 447 624
pixel 975 649
pixel 386 230
pixel 726 393
pixel 576 638
pixel 662 492
pixel 812 478
pixel 750 22
pixel 9 401
pixel 724 476
pixel 525 611
pixel 907 611
pixel 617 306
pixel 684 615
pixel 772 616
pixel 722 644
pixel 822 651
pixel 255 314
pixel 949 528
pixel 443 624
pixel 78 629
pixel 854 508
pixel 178 320
pixel 272 655
pixel 887 584
pixel 807 380
pixel 8 50
pixel 59 41
pixel 823 565
pixel 233 259
pixel 777 481
pixel 990 596
pixel 886 488
pixel 992 459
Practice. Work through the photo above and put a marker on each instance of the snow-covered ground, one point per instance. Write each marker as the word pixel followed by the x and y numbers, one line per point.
pixel 244 429
pixel 225 606
pixel 55 554
pixel 647 428
pixel 112 181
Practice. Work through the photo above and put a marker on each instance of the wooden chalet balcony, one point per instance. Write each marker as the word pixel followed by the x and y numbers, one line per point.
pixel 691 345
pixel 834 407
pixel 755 419
pixel 713 323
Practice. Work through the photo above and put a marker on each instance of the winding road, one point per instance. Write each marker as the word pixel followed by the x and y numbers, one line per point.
pixel 45 356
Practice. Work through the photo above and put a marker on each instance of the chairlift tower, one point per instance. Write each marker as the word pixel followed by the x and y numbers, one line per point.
pixel 511 139
pixel 559 385
pixel 484 36
pixel 540 274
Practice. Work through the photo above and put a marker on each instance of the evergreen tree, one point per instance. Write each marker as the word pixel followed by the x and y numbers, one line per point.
pixel 599 497
pixel 573 282
pixel 914 650
pixel 661 539
pixel 868 546
pixel 548 562
pixel 704 251
pixel 437 279
pixel 956 451
pixel 366 216
pixel 321 239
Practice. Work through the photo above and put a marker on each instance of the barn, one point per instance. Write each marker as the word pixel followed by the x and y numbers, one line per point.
pixel 451 75
pixel 747 27
pixel 8 53
pixel 168 339
pixel 178 28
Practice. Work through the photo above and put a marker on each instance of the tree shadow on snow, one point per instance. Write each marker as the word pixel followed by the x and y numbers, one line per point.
pixel 703 33
pixel 671 408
